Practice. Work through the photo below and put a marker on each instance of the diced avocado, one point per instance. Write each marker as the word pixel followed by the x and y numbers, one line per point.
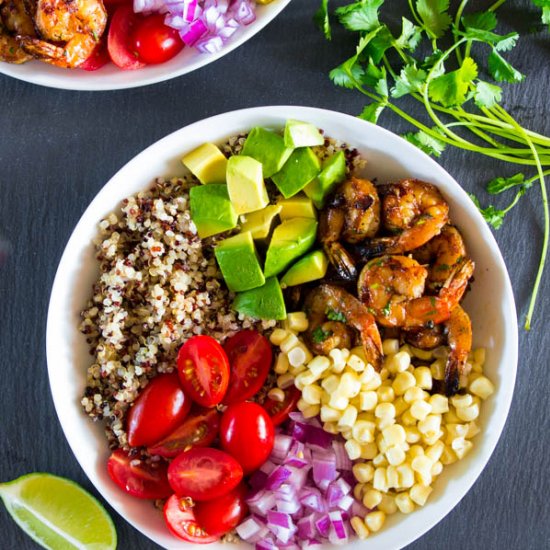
pixel 302 134
pixel 301 167
pixel 211 209
pixel 265 302
pixel 245 184
pixel 333 172
pixel 298 206
pixel 311 267
pixel 259 223
pixel 268 148
pixel 239 263
pixel 290 240
pixel 206 162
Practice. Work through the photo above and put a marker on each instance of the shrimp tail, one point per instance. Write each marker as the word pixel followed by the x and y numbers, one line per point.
pixel 372 344
pixel 342 261
pixel 373 248
pixel 452 375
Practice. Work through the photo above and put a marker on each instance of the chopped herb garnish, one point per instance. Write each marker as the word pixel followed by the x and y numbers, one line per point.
pixel 319 335
pixel 386 309
pixel 334 315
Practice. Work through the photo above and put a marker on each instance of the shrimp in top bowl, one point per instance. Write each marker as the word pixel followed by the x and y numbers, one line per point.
pixel 14 20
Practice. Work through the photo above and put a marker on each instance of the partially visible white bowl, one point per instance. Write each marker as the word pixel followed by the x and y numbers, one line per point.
pixel 490 304
pixel 111 77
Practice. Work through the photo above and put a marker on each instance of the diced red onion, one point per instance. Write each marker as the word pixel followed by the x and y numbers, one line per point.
pixel 279 519
pixel 288 506
pixel 193 32
pixel 191 10
pixel 359 509
pixel 141 6
pixel 266 544
pixel 209 44
pixel 343 461
pixel 262 502
pixel 310 497
pixel 323 526
pixel 268 466
pixel 257 480
pixel 324 472
pixel 281 447
pixel 346 502
pixel 339 526
pixel 243 11
pixel 277 477
pixel 306 527
pixel 249 528
pixel 310 544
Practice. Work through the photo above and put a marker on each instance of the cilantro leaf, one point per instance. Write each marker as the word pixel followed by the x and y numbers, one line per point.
pixel 360 16
pixel 483 20
pixel 493 216
pixel 486 94
pixel 499 185
pixel 502 43
pixel 372 112
pixel 430 145
pixel 410 36
pixel 319 335
pixel 451 88
pixel 434 16
pixel 410 79
pixel 334 315
pixel 545 5
pixel 347 74
pixel 380 43
pixel 322 20
pixel 501 70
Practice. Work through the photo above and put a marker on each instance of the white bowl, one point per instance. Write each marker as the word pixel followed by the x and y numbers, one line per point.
pixel 111 77
pixel 490 304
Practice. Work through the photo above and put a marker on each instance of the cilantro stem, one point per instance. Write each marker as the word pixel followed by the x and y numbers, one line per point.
pixel 496 5
pixel 415 15
pixel 458 17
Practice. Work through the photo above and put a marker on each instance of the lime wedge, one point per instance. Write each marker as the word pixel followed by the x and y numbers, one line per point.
pixel 58 514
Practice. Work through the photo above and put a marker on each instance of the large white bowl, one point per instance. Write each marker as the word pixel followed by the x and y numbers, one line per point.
pixel 111 77
pixel 490 304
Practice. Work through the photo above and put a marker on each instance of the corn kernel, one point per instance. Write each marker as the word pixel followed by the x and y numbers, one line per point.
pixel 375 520
pixel 395 456
pixel 407 419
pixel 276 394
pixel 318 365
pixel 382 445
pixel 385 394
pixel 448 456
pixel 387 505
pixel 368 400
pixel 370 381
pixel 420 410
pixel 358 525
pixel 278 336
pixel 450 417
pixel 329 427
pixel 328 414
pixel 390 346
pixel 291 341
pixel 461 447
pixel 358 491
pixel 432 437
pixel 406 475
pixel 402 382
pixel 369 450
pixel 430 425
pixel 363 431
pixel 384 422
pixel 434 452
pixel 295 371
pixel 437 368
pixel 312 394
pixel 473 430
pixel 338 361
pixel 355 363
pixel 404 503
pixel 296 356
pixel 297 321
pixel 394 435
pixel 415 394
pixel 372 498
pixel 482 387
pixel 302 404
pixel 347 420
pixel 285 381
pixel 423 477
pixel 399 362
pixel 353 449
pixel 419 494
pixel 468 413
pixel 461 400
pixel 423 354
pixel 349 386
pixel 412 435
pixel 439 403
pixel 338 401
pixel 346 433
pixel 437 468
pixel 423 376
pixel 311 411
pixel 479 356
pixel 380 460
pixel 363 472
pixel 400 406
pixel 330 383
pixel 379 481
pixel 384 410
pixel 303 379
pixel 454 431
pixel 281 364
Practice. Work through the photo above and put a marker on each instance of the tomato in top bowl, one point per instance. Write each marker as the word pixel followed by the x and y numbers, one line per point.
pixel 182 523
pixel 123 22
pixel 279 410
pixel 203 369
pixel 250 358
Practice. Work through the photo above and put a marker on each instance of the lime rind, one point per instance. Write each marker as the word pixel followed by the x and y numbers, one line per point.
pixel 58 514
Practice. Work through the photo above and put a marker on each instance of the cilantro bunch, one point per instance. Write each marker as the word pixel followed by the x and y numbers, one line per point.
pixel 438 59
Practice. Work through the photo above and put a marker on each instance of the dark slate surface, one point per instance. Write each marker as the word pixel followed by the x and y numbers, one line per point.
pixel 58 148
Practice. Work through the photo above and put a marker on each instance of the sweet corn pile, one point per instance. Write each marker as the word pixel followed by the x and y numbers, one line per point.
pixel 399 435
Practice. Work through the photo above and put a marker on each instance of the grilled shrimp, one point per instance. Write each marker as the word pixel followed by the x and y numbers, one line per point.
pixel 325 334
pixel 424 337
pixel 414 211
pixel 459 336
pixel 69 30
pixel 441 254
pixel 351 215
pixel 14 20
pixel 392 287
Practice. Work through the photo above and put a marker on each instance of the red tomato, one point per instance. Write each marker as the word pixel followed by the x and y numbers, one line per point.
pixel 123 22
pixel 218 517
pixel 250 356
pixel 153 41
pixel 158 410
pixel 140 480
pixel 278 410
pixel 204 370
pixel 204 474
pixel 199 429
pixel 182 523
pixel 247 433
pixel 98 58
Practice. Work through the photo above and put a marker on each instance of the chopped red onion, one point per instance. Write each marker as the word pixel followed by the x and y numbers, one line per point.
pixel 268 466
pixel 281 447
pixel 191 34
pixel 191 10
pixel 324 472
pixel 141 6
pixel 243 11
pixel 249 528
pixel 277 477
pixel 323 525
pixel 343 461
pixel 338 525
pixel 209 44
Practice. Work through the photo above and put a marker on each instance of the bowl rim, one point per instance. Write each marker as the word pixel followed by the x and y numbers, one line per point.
pixel 61 291
pixel 95 81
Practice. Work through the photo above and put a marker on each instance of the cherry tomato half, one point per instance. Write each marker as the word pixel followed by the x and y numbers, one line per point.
pixel 204 474
pixel 182 523
pixel 122 24
pixel 247 433
pixel 218 517
pixel 250 356
pixel 158 410
pixel 199 429
pixel 279 410
pixel 203 368
pixel 153 41
pixel 139 479
pixel 98 58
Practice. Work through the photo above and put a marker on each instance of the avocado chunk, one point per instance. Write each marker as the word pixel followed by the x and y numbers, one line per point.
pixel 260 223
pixel 207 163
pixel 298 206
pixel 245 184
pixel 265 302
pixel 238 261
pixel 302 134
pixel 301 167
pixel 268 148
pixel 333 172
pixel 211 209
pixel 311 267
pixel 290 240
